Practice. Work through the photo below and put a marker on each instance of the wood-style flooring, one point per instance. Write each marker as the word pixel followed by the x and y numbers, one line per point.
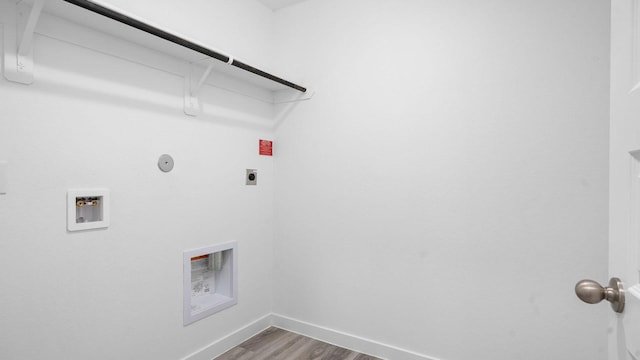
pixel 278 344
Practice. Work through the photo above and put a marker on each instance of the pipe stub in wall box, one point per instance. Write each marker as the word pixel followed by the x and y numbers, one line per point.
pixel 165 163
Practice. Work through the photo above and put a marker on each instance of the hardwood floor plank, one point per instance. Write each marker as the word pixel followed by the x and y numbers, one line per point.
pixel 304 347
pixel 278 344
pixel 351 356
pixel 338 353
pixel 318 350
pixel 237 353
pixel 264 338
pixel 295 346
pixel 277 349
pixel 366 357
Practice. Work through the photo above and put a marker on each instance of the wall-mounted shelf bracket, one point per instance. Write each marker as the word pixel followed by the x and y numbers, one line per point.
pixel 18 41
pixel 193 82
pixel 196 76
pixel 288 96
pixel 286 101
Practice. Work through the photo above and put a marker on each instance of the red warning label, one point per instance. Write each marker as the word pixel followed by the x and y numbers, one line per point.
pixel 266 147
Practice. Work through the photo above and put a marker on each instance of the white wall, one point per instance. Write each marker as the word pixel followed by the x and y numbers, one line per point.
pixel 442 192
pixel 93 120
pixel 447 185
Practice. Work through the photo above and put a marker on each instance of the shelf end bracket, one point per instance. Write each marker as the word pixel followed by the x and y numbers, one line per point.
pixel 192 87
pixel 18 39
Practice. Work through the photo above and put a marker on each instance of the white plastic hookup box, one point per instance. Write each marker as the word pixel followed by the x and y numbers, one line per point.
pixel 87 209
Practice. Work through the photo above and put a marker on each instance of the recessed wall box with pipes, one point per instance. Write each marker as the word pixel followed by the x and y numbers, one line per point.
pixel 87 209
pixel 210 281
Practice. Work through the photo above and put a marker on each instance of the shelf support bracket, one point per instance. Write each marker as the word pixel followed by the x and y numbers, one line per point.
pixel 192 86
pixel 18 42
pixel 285 102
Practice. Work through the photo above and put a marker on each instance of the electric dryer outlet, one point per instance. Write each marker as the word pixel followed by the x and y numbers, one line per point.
pixel 252 177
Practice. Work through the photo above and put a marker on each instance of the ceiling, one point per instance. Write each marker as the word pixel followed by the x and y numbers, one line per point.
pixel 279 4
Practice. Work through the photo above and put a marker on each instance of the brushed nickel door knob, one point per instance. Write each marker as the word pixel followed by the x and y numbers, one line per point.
pixel 591 292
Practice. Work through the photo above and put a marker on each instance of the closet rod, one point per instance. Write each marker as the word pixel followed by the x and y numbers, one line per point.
pixel 88 5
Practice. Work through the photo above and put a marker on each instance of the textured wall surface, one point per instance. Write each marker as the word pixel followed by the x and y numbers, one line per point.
pixel 447 185
pixel 94 120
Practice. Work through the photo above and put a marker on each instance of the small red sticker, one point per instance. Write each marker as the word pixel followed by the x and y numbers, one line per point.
pixel 266 147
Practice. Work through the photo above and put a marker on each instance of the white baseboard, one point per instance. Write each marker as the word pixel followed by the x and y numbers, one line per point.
pixel 349 341
pixel 222 345
pixel 339 338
